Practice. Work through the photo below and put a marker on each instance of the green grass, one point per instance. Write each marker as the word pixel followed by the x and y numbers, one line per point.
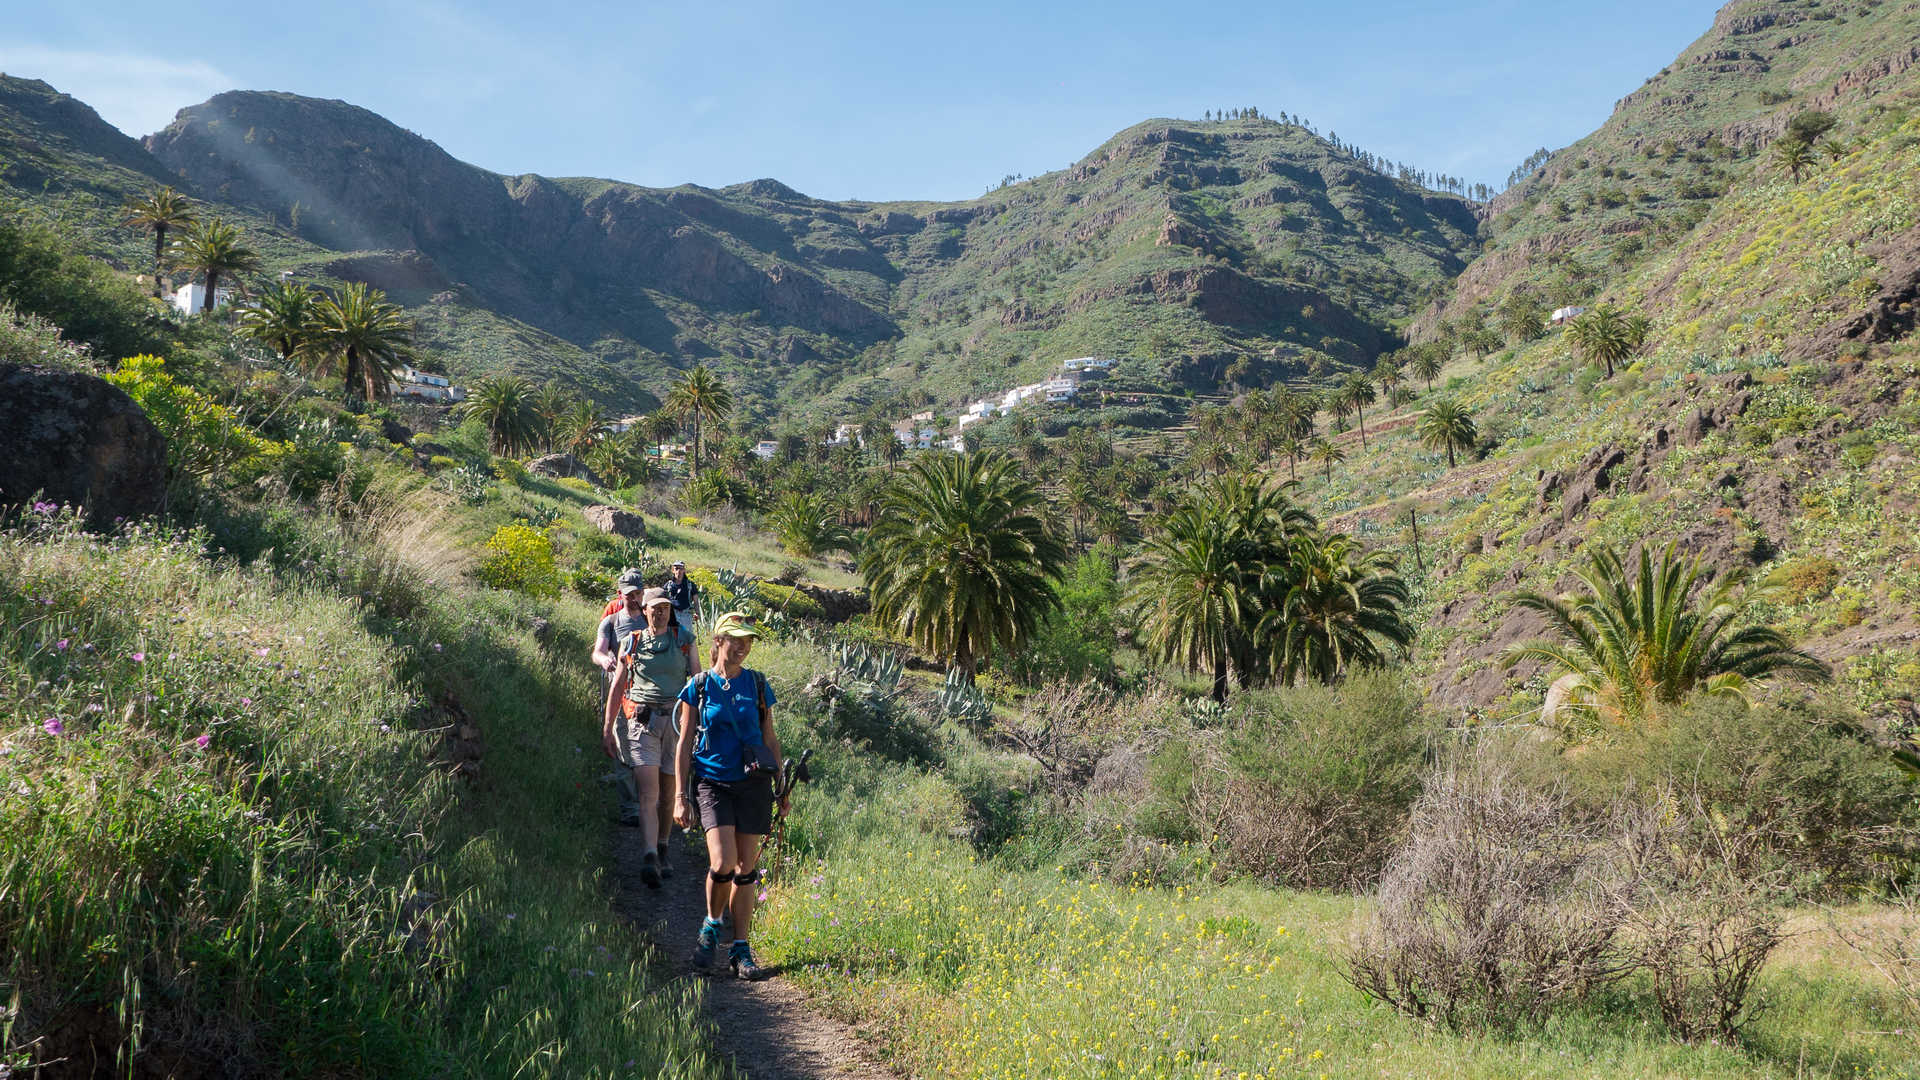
pixel 967 963
pixel 311 892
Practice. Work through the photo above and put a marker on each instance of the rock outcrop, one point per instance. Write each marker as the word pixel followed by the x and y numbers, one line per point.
pixel 72 438
pixel 559 465
pixel 616 522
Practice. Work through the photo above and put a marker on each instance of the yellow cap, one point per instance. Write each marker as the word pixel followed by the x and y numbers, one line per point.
pixel 735 624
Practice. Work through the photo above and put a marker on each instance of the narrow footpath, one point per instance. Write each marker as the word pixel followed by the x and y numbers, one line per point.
pixel 766 1027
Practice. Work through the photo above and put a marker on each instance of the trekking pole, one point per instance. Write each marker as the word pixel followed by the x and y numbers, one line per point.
pixel 792 771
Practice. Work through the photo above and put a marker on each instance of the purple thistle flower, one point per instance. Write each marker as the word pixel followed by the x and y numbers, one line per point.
pixel 203 741
pixel 45 507
pixel 54 726
pixel 61 645
pixel 246 701
pixel 139 658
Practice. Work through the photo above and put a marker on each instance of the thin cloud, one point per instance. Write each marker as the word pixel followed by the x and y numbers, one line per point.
pixel 137 94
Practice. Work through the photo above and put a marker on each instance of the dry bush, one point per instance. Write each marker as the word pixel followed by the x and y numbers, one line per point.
pixel 1067 728
pixel 1501 905
pixel 1891 946
pixel 1311 788
pixel 1703 923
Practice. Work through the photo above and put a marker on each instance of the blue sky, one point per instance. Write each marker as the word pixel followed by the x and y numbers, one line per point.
pixel 868 100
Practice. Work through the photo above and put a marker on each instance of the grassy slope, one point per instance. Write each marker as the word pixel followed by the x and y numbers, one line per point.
pixel 971 965
pixel 308 895
pixel 1812 484
pixel 1677 144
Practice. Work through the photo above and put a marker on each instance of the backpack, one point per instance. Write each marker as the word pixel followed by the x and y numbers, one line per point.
pixel 613 607
pixel 628 656
pixel 762 761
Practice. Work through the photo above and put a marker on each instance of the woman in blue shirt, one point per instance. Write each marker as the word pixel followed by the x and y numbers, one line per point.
pixel 728 756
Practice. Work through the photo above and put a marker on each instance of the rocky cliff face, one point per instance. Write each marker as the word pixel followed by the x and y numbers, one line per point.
pixel 77 440
pixel 547 253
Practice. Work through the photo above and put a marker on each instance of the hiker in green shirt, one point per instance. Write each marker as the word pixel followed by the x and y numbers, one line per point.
pixel 655 661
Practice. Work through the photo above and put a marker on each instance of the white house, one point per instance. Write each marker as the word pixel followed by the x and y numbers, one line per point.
pixel 188 299
pixel 844 435
pixel 1059 390
pixel 765 449
pixel 1561 315
pixel 917 433
pixel 625 423
pixel 426 386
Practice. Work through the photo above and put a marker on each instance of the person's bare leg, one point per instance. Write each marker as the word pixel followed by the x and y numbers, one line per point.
pixel 646 778
pixel 747 845
pixel 669 793
pixel 721 859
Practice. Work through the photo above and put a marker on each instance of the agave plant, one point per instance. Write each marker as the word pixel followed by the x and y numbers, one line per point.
pixel 959 699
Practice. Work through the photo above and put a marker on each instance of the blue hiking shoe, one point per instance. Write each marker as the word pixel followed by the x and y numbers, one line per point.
pixel 740 959
pixel 707 945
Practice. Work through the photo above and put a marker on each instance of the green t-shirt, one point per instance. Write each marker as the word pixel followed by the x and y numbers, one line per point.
pixel 658 664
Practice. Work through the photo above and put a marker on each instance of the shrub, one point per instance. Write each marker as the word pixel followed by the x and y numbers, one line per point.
pixel 1501 905
pixel 590 584
pixel 203 436
pixel 574 483
pixel 1701 926
pixel 507 470
pixel 1809 795
pixel 520 558
pixel 1312 789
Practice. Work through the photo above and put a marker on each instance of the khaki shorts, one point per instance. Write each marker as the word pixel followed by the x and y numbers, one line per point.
pixel 648 738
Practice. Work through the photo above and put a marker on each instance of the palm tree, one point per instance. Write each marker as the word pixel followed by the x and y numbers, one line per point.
pixel 164 209
pixel 579 428
pixel 661 426
pixel 283 317
pixel 1190 591
pixel 1446 425
pixel 872 430
pixel 961 560
pixel 808 525
pixel 892 449
pixel 550 403
pixel 1426 365
pixel 1327 453
pixel 1387 374
pixel 1338 604
pixel 370 336
pixel 1630 647
pixel 1357 393
pixel 1835 149
pixel 504 404
pixel 213 248
pixel 1601 335
pixel 1293 450
pixel 701 396
pixel 1793 155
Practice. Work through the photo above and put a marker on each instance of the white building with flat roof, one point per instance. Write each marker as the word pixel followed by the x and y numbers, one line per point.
pixel 190 298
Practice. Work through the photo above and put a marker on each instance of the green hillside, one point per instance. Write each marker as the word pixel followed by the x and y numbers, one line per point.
pixel 1676 145
pixel 1204 245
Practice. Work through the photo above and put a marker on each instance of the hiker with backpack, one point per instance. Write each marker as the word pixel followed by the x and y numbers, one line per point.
pixel 652 666
pixel 728 757
pixel 626 613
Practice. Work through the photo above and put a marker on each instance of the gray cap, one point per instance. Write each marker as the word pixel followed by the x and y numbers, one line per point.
pixel 631 581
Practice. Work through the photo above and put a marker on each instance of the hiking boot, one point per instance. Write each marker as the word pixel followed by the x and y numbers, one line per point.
pixel 740 959
pixel 666 863
pixel 650 871
pixel 706 945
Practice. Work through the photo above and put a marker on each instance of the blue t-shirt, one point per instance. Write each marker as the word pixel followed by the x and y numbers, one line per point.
pixel 730 724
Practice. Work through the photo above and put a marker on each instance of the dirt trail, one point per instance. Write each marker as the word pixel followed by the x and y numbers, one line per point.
pixel 766 1027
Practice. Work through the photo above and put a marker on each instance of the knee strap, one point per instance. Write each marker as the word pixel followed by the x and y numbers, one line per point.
pixel 751 877
pixel 718 876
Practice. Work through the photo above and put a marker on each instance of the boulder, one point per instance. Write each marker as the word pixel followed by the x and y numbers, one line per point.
pixel 836 605
pixel 558 465
pixel 73 438
pixel 622 523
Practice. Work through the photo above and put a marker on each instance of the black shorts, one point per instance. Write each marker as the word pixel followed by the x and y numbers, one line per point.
pixel 746 805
